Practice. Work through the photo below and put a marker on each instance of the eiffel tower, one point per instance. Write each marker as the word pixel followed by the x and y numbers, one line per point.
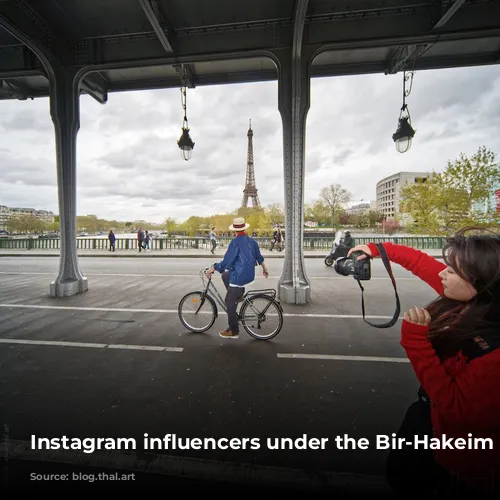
pixel 250 190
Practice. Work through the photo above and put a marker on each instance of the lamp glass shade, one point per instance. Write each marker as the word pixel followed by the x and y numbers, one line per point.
pixel 185 144
pixel 403 135
pixel 403 144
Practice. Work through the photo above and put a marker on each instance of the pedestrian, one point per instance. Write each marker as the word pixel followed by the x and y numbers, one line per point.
pixel 213 239
pixel 453 347
pixel 238 271
pixel 112 240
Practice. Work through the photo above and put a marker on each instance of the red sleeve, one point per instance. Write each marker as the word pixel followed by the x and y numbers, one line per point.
pixel 471 397
pixel 417 262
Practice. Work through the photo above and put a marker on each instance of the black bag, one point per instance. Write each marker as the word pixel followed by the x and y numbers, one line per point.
pixel 413 471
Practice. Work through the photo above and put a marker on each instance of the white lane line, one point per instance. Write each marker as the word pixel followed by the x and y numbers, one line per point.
pixel 287 355
pixel 185 276
pixel 174 311
pixel 91 345
pixel 239 473
pixel 96 309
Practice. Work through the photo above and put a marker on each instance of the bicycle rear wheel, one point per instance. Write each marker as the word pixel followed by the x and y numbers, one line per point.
pixel 197 311
pixel 261 317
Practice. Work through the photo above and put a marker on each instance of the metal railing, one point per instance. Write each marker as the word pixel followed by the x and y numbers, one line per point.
pixel 187 243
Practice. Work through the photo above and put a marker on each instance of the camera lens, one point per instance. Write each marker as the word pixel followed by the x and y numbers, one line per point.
pixel 344 266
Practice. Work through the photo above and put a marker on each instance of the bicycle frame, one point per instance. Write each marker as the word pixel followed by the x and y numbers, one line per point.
pixel 211 290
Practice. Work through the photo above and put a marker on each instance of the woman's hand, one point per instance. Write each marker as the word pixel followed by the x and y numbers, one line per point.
pixel 362 248
pixel 418 316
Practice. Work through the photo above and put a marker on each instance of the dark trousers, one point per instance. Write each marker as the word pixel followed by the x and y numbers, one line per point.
pixel 232 296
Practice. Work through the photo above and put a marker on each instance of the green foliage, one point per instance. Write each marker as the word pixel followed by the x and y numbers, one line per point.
pixel 318 211
pixel 26 224
pixel 276 213
pixel 454 198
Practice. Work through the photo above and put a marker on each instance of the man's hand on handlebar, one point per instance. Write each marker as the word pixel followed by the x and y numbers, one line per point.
pixel 209 272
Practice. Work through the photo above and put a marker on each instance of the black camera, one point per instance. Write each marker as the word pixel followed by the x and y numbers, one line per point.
pixel 359 269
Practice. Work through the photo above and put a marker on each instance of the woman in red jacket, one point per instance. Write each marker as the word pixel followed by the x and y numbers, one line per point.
pixel 451 345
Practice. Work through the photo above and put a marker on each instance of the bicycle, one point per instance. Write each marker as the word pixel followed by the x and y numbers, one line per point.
pixel 253 313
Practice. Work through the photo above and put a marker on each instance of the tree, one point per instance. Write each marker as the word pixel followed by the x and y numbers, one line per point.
pixel 26 224
pixel 473 180
pixel 170 225
pixel 317 212
pixel 444 202
pixel 192 225
pixel 419 201
pixel 334 197
pixel 276 213
pixel 390 226
pixel 375 217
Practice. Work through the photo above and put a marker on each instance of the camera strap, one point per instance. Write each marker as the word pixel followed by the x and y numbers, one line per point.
pixel 387 265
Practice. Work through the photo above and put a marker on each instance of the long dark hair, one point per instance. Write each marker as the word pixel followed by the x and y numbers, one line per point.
pixel 476 259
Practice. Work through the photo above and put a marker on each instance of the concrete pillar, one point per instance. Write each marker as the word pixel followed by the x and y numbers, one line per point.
pixel 293 102
pixel 65 113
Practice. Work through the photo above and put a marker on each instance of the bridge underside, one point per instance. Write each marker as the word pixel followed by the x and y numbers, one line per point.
pixel 62 50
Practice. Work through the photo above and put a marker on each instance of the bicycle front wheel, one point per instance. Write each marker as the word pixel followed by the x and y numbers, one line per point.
pixel 197 311
pixel 261 317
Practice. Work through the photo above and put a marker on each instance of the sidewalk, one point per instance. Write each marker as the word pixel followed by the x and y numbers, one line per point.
pixel 181 254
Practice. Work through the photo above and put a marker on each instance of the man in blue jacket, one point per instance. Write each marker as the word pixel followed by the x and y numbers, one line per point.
pixel 238 270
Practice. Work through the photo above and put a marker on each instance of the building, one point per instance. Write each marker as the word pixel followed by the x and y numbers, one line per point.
pixel 492 204
pixel 389 191
pixel 359 208
pixel 6 213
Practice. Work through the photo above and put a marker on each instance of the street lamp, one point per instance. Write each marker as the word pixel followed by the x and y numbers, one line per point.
pixel 403 135
pixel 185 142
pixel 405 132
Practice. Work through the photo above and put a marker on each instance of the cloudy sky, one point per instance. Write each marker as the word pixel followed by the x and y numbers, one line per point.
pixel 129 165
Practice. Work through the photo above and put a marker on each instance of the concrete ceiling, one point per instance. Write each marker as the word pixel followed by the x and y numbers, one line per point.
pixel 139 44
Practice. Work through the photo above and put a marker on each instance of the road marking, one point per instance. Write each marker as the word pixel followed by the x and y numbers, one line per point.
pixel 136 275
pixel 287 355
pixel 91 345
pixel 214 471
pixel 175 311
pixel 96 309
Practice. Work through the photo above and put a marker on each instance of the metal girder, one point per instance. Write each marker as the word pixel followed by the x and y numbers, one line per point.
pixel 449 13
pixel 152 11
pixel 266 75
pixel 186 73
pixel 293 103
pixel 403 54
pixel 24 23
pixel 13 88
pixel 96 86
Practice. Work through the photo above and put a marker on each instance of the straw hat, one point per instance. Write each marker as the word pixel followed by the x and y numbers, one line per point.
pixel 239 224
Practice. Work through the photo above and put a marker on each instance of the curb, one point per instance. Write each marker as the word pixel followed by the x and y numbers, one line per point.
pixel 183 256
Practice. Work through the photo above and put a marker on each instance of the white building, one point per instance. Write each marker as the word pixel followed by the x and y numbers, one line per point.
pixel 389 191
pixel 359 208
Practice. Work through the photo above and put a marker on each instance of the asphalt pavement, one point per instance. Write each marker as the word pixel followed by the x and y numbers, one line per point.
pixel 115 362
